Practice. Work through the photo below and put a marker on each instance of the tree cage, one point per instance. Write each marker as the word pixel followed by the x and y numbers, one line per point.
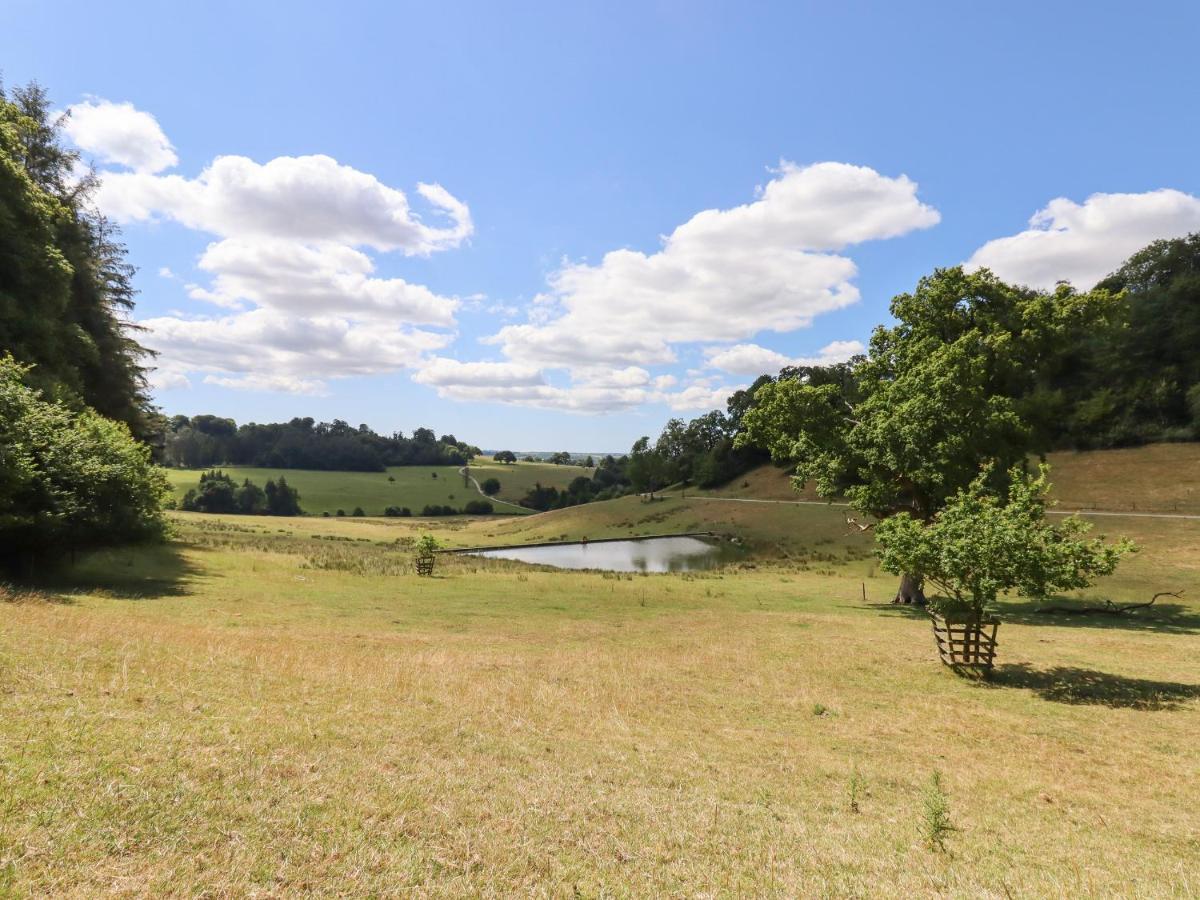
pixel 969 644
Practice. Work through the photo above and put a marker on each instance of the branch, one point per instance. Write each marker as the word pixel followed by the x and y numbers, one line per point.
pixel 850 520
pixel 1109 608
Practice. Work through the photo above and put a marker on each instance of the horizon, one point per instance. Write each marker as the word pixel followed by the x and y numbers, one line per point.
pixel 561 227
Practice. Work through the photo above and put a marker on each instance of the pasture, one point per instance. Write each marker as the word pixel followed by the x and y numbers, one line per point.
pixel 276 707
pixel 411 486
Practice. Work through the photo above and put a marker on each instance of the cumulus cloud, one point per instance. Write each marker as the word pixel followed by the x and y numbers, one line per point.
pixel 590 391
pixel 300 198
pixel 265 349
pixel 752 359
pixel 303 301
pixel 311 278
pixel 1083 242
pixel 772 264
pixel 121 134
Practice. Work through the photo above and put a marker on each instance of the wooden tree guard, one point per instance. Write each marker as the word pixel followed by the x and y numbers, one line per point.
pixel 425 564
pixel 965 644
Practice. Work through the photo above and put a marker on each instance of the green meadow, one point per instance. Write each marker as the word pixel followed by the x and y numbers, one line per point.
pixel 411 486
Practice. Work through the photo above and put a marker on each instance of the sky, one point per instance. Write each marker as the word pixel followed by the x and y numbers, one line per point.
pixel 557 225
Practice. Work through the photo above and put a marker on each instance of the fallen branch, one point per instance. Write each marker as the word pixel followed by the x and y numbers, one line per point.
pixel 1109 608
pixel 858 525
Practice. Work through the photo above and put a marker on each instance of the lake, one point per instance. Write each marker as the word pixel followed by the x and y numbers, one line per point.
pixel 665 554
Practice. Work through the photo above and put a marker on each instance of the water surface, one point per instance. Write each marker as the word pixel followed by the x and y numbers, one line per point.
pixel 666 554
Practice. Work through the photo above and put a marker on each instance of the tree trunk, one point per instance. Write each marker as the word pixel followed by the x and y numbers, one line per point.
pixel 911 590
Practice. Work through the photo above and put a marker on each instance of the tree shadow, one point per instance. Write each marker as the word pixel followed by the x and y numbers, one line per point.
pixel 134 572
pixel 1069 684
pixel 1164 618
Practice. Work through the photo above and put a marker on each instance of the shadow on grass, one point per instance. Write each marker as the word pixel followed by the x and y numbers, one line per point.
pixel 1164 618
pixel 136 572
pixel 1068 684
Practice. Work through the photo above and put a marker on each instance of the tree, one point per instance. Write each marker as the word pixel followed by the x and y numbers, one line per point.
pixel 589 463
pixel 914 422
pixel 283 499
pixel 217 493
pixel 491 486
pixel 69 479
pixel 65 285
pixel 647 470
pixel 479 508
pixel 505 456
pixel 251 499
pixel 984 541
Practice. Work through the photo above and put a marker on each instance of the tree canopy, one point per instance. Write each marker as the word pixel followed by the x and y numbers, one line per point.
pixel 65 284
pixel 983 542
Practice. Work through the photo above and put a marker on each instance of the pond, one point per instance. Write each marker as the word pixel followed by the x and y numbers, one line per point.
pixel 664 554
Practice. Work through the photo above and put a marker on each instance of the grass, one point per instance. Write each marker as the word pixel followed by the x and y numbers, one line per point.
pixel 279 707
pixel 411 486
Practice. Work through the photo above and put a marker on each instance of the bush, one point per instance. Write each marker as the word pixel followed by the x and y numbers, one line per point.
pixel 69 479
pixel 434 509
pixel 341 512
pixel 394 512
pixel 490 486
pixel 358 511
pixel 984 542
pixel 479 508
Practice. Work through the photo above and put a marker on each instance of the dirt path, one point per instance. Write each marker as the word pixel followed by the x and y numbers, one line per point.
pixel 1053 512
pixel 474 481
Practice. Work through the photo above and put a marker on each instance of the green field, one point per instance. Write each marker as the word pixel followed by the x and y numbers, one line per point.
pixel 413 486
pixel 280 707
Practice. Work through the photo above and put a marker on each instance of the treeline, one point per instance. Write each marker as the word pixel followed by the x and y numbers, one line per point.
pixel 65 284
pixel 218 493
pixel 1135 378
pixel 206 440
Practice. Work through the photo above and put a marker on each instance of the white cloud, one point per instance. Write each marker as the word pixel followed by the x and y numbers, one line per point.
pixel 443 372
pixel 308 279
pixel 305 303
pixel 261 347
pixel 751 359
pixel 301 198
pixel 725 274
pixel 1082 243
pixel 121 134
pixel 701 397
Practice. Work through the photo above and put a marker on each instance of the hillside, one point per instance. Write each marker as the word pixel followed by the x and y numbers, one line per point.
pixel 1156 478
pixel 411 486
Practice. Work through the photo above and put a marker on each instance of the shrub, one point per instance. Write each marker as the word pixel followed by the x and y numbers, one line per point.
pixel 341 512
pixel 397 512
pixel 434 509
pixel 479 508
pixel 491 486
pixel 358 511
pixel 69 479
pixel 984 542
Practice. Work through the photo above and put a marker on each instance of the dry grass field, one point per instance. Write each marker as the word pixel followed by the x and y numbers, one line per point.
pixel 272 708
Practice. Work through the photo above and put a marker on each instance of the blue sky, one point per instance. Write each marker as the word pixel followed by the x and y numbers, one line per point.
pixel 305 274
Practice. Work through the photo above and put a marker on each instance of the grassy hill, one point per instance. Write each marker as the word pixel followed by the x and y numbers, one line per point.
pixel 1155 478
pixel 411 486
